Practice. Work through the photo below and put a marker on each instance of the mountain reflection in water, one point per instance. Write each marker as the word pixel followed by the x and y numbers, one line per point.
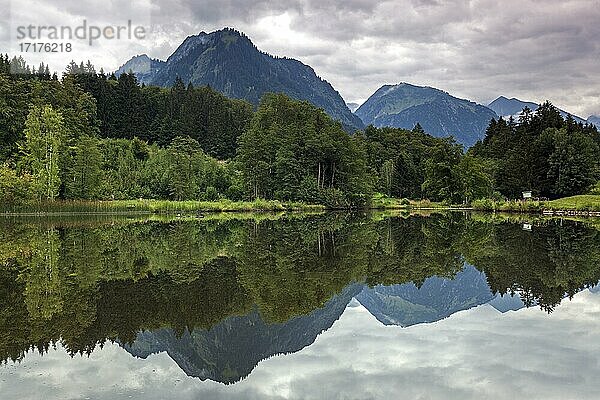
pixel 220 294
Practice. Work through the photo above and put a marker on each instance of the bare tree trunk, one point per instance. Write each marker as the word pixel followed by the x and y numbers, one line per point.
pixel 319 239
pixel 332 174
pixel 319 177
pixel 333 242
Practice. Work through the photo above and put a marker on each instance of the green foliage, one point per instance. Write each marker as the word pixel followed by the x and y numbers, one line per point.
pixel 218 204
pixel 124 175
pixel 185 165
pixel 543 152
pixel 414 164
pixel 474 178
pixel 595 190
pixel 440 182
pixel 576 203
pixel 382 201
pixel 44 131
pixel 114 139
pixel 489 204
pixel 573 163
pixel 84 176
pixel 127 110
pixel 14 189
pixel 292 150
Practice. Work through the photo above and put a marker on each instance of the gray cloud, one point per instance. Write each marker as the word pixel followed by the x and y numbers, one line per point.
pixel 476 49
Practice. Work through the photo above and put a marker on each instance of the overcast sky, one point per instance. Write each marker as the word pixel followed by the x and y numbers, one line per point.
pixel 530 49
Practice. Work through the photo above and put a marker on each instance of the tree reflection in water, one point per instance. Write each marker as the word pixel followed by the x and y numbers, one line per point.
pixel 222 293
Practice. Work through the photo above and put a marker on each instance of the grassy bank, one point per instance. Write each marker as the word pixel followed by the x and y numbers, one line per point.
pixel 382 202
pixel 582 203
pixel 154 206
pixel 507 206
pixel 63 207
pixel 576 203
pixel 537 219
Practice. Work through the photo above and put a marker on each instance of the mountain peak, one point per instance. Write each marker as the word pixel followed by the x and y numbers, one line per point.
pixel 143 56
pixel 352 106
pixel 230 63
pixel 404 105
pixel 594 120
pixel 504 107
pixel 402 88
pixel 222 36
pixel 141 65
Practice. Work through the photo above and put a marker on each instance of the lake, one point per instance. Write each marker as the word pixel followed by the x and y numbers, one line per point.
pixel 299 306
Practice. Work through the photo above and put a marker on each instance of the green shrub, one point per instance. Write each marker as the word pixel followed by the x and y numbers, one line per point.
pixel 14 189
pixel 484 205
pixel 333 198
pixel 595 190
pixel 211 194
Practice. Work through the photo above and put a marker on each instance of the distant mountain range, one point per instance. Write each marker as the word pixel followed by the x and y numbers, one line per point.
pixel 505 107
pixel 144 67
pixel 435 299
pixel 510 107
pixel 440 114
pixel 230 63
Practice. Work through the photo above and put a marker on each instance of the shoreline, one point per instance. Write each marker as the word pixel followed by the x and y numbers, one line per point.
pixel 576 206
pixel 199 213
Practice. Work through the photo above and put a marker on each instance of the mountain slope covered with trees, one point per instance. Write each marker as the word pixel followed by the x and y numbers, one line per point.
pixel 227 61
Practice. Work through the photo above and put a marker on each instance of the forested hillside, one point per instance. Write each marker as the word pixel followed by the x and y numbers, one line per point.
pixel 228 61
pixel 542 152
pixel 95 137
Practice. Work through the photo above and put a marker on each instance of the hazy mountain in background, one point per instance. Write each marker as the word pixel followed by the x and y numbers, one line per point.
pixel 144 67
pixel 440 114
pixel 353 106
pixel 594 119
pixel 505 107
pixel 230 63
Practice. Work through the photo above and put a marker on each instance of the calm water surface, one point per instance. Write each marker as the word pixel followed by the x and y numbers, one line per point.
pixel 274 306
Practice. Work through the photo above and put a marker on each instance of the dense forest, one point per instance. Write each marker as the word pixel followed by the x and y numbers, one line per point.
pixel 543 152
pixel 94 136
